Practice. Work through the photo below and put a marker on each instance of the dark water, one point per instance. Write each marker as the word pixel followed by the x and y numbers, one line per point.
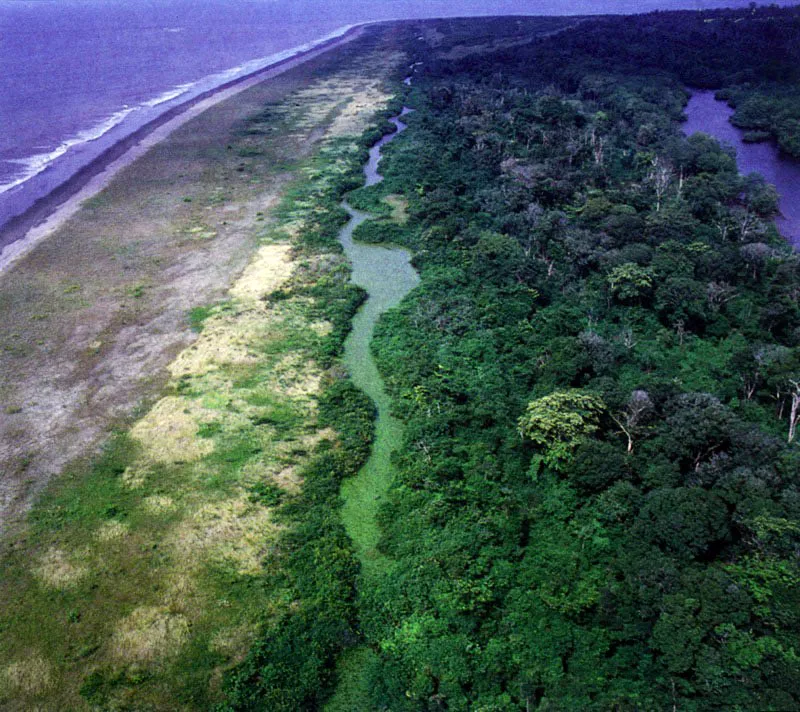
pixel 710 116
pixel 79 75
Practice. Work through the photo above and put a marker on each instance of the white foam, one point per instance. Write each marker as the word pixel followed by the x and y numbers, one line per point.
pixel 255 65
pixel 33 165
pixel 169 95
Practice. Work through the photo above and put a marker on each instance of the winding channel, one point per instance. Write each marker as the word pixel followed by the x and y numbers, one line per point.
pixel 707 114
pixel 387 276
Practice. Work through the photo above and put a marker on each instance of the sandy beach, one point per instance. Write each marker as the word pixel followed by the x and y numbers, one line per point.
pixel 151 388
pixel 22 233
pixel 94 297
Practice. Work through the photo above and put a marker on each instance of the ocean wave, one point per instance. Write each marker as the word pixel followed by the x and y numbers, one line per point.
pixel 169 95
pixel 256 65
pixel 35 164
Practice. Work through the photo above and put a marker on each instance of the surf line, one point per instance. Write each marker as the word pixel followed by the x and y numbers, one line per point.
pixel 35 223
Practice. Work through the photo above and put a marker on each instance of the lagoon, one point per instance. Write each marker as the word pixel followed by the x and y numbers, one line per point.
pixel 707 114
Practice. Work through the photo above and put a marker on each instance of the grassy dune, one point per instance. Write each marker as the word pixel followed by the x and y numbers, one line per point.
pixel 143 574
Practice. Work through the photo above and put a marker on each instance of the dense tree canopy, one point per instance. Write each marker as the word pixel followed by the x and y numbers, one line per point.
pixel 597 504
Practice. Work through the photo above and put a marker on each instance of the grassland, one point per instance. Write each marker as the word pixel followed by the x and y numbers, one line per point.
pixel 185 293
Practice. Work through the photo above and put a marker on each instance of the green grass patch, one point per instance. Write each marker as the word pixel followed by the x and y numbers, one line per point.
pixel 199 315
pixel 87 497
pixel 354 672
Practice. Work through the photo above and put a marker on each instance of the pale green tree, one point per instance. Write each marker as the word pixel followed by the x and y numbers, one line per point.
pixel 561 421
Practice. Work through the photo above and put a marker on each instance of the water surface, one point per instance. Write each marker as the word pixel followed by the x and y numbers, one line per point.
pixel 79 75
pixel 710 116
pixel 387 276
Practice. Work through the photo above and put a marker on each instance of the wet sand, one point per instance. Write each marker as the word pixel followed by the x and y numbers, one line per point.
pixel 21 233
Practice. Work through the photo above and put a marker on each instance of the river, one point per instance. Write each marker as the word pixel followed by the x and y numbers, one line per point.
pixel 710 116
pixel 387 276
pixel 385 272
pixel 79 76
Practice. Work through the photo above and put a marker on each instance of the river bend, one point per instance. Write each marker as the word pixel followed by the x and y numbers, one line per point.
pixel 385 272
pixel 705 113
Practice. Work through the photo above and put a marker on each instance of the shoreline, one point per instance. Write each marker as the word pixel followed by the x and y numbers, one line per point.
pixel 23 232
pixel 707 114
pixel 157 535
pixel 102 301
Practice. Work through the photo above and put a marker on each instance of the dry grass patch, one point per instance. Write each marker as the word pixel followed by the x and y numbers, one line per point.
pixel 31 676
pixel 288 479
pixel 231 641
pixel 268 271
pixel 274 470
pixel 57 569
pixel 149 633
pixel 399 206
pixel 136 475
pixel 227 339
pixel 364 96
pixel 297 377
pixel 169 432
pixel 111 530
pixel 321 328
pixel 231 532
pixel 159 504
pixel 305 443
pixel 460 51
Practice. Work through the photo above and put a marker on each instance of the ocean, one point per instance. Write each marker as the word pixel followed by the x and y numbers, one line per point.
pixel 80 75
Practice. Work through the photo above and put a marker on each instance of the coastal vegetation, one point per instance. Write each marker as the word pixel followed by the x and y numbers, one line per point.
pixel 141 576
pixel 596 494
pixel 596 505
pixel 596 386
